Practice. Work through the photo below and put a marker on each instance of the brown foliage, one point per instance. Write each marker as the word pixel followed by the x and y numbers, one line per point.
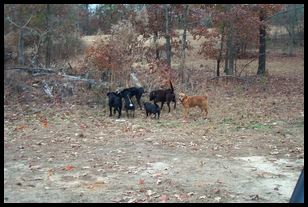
pixel 118 53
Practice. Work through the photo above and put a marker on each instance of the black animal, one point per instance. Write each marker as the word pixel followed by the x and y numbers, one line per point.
pixel 115 101
pixel 163 96
pixel 151 109
pixel 128 105
pixel 133 91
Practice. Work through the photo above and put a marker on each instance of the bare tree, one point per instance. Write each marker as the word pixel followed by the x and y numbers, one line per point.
pixel 262 48
pixel 167 36
pixel 230 52
pixel 21 58
pixel 184 45
pixel 230 47
pixel 220 50
pixel 48 45
pixel 291 17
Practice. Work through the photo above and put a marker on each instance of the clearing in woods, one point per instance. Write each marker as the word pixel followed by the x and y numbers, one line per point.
pixel 251 148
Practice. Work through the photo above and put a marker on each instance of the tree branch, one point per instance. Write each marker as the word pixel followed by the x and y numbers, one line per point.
pixel 20 27
pixel 27 22
pixel 247 64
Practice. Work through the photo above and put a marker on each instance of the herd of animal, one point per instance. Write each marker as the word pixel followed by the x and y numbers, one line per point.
pixel 162 95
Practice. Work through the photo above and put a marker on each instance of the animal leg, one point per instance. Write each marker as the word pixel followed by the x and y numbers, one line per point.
pixel 206 112
pixel 110 108
pixel 168 104
pixel 186 113
pixel 138 101
pixel 162 104
pixel 119 112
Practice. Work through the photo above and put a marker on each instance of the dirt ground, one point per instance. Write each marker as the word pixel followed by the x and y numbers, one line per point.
pixel 250 149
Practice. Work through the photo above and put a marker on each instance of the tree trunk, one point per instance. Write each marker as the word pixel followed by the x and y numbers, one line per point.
pixel 182 66
pixel 111 16
pixel 112 78
pixel 87 20
pixel 21 57
pixel 262 49
pixel 100 19
pixel 167 36
pixel 217 67
pixel 77 26
pixel 231 62
pixel 226 59
pixel 48 45
pixel 156 37
pixel 291 22
pixel 220 51
pixel 156 45
pixel 230 55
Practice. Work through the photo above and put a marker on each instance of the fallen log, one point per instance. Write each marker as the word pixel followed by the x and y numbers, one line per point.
pixel 33 70
pixel 78 78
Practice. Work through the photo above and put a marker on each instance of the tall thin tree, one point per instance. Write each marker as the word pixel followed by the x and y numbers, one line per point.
pixel 184 45
pixel 262 46
pixel 48 44
pixel 167 35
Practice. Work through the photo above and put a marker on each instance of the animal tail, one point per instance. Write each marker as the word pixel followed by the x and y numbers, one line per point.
pixel 171 86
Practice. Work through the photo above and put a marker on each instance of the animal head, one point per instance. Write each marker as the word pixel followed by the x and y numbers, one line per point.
pixel 111 94
pixel 182 96
pixel 152 95
pixel 141 89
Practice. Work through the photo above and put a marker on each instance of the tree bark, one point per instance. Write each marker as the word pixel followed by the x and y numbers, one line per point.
pixel 262 49
pixel 21 57
pixel 156 37
pixel 87 19
pixel 291 22
pixel 230 54
pixel 156 45
pixel 182 66
pixel 167 36
pixel 220 51
pixel 111 16
pixel 48 45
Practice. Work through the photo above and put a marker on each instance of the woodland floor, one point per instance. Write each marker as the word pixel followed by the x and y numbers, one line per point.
pixel 250 149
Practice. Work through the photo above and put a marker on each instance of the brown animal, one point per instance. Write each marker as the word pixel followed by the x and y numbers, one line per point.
pixel 192 101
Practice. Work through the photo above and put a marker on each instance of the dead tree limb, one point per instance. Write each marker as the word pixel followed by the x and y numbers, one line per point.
pixel 33 70
pixel 47 89
pixel 70 66
pixel 246 65
pixel 136 81
pixel 77 78
pixel 20 27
